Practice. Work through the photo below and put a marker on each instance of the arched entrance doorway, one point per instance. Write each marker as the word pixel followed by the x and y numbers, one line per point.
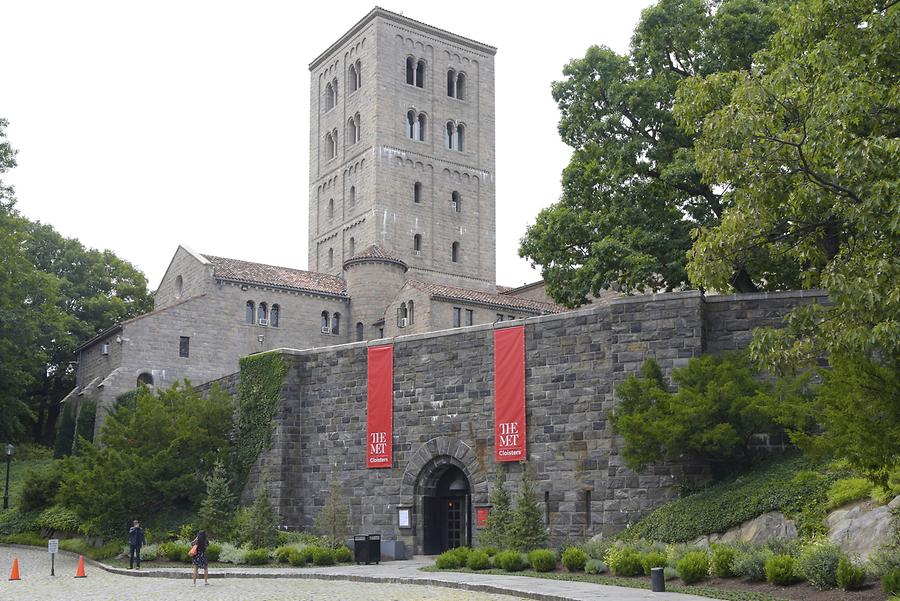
pixel 446 511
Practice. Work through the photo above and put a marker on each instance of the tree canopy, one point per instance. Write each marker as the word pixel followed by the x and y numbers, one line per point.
pixel 805 145
pixel 632 194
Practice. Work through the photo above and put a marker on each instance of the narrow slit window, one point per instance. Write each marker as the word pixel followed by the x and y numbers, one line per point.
pixel 451 83
pixel 461 86
pixel 274 314
pixel 251 312
pixel 184 346
pixel 410 71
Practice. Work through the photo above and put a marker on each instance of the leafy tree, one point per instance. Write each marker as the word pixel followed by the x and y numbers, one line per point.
pixel 84 425
pixel 65 434
pixel 805 146
pixel 259 527
pixel 217 508
pixel 499 521
pixel 713 415
pixel 152 461
pixel 333 519
pixel 631 193
pixel 854 415
pixel 527 528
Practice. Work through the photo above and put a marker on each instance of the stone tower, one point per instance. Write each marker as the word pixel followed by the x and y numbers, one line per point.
pixel 402 151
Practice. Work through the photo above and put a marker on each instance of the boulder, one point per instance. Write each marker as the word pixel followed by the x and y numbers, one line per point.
pixel 862 527
pixel 762 528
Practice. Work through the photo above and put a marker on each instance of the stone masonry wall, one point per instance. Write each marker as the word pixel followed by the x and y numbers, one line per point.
pixel 443 414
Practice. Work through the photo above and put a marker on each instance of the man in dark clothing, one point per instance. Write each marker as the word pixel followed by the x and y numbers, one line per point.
pixel 135 541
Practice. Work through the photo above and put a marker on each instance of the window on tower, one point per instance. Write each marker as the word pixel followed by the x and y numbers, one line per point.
pixel 451 83
pixel 420 74
pixel 456 202
pixel 461 86
pixel 410 70
pixel 454 252
pixel 417 192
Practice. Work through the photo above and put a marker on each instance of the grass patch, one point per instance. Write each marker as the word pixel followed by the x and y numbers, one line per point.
pixel 791 484
pixel 642 583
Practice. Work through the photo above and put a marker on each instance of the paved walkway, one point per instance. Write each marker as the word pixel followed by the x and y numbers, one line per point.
pixel 400 580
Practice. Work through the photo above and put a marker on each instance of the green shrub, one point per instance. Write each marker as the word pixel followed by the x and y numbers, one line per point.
pixel 781 570
pixel 213 552
pixel 595 566
pixel 25 538
pixel 596 549
pixel 174 551
pixel 58 519
pixel 40 487
pixel 478 560
pixel 282 554
pixel 721 561
pixel 14 521
pixel 846 491
pixel 491 551
pixel 652 559
pixel 785 546
pixel 257 557
pixel 849 576
pixel 574 559
pixel 308 553
pixel 448 560
pixel 296 558
pixel 511 561
pixel 343 554
pixel 77 545
pixel 323 556
pixel 693 567
pixel 670 573
pixel 890 582
pixel 232 554
pixel 818 563
pixel 624 561
pixel 543 560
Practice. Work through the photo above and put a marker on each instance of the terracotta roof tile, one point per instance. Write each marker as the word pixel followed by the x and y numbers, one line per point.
pixel 374 251
pixel 271 275
pixel 486 298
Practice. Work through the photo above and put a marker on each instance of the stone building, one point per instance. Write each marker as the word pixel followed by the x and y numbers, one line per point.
pixel 401 224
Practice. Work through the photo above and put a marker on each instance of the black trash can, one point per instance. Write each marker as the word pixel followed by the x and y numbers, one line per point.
pixel 373 542
pixel 360 549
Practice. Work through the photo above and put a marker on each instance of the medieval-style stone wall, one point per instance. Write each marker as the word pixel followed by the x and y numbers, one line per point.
pixel 443 413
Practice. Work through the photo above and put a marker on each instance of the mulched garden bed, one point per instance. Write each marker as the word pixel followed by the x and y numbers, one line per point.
pixel 802 591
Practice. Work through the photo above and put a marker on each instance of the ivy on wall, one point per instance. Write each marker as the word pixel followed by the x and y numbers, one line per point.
pixel 259 397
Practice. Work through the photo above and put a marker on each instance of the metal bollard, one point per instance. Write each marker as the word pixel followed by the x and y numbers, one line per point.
pixel 657 580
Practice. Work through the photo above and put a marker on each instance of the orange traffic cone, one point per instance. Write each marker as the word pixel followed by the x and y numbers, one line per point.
pixel 14 575
pixel 79 573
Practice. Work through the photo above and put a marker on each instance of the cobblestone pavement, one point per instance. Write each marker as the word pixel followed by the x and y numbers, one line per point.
pixel 37 584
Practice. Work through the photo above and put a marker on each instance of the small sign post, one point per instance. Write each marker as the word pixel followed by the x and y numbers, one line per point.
pixel 53 548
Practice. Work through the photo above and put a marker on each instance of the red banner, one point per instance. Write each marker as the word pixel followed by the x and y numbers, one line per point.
pixel 379 408
pixel 509 394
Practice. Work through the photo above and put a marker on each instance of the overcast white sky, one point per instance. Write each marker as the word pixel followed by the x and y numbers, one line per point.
pixel 141 126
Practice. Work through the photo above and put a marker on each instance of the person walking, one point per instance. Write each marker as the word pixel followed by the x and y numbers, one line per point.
pixel 135 541
pixel 198 557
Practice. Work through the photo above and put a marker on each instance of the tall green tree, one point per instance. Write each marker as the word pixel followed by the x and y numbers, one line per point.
pixel 258 523
pixel 333 520
pixel 217 508
pixel 527 530
pixel 631 193
pixel 806 146
pixel 497 532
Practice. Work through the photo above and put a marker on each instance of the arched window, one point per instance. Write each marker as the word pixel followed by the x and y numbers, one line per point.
pixel 146 379
pixel 358 129
pixel 334 87
pixel 417 192
pixel 329 97
pixel 352 196
pixel 274 314
pixel 336 323
pixel 411 125
pixel 358 74
pixel 331 145
pixel 421 127
pixel 262 313
pixel 417 244
pixel 461 86
pixel 330 208
pixel 454 252
pixel 460 137
pixel 456 202
pixel 352 79
pixel 251 312
pixel 352 131
pixel 325 322
pixel 352 246
pixel 179 286
pixel 410 315
pixel 410 71
pixel 451 129
pixel 420 74
pixel 402 316
pixel 360 331
pixel 331 257
pixel 451 83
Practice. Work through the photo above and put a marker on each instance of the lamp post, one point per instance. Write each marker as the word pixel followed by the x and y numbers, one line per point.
pixel 9 452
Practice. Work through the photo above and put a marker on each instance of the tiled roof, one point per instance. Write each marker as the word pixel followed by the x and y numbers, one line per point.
pixel 375 252
pixel 271 275
pixel 486 298
pixel 503 289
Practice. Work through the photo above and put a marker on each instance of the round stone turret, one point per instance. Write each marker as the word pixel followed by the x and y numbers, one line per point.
pixel 374 277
